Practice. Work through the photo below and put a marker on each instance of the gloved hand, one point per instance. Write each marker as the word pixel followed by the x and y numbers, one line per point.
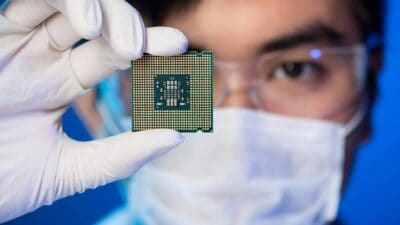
pixel 40 75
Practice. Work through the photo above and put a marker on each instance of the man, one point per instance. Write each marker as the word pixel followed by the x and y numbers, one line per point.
pixel 294 87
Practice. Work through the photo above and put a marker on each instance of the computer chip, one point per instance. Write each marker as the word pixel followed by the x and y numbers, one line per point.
pixel 174 92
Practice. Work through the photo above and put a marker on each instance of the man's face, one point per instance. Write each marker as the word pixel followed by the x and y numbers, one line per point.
pixel 279 31
pixel 244 31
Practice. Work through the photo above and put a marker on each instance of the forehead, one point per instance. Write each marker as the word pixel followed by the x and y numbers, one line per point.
pixel 246 24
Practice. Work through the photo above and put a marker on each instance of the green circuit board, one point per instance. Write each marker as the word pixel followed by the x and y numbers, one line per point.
pixel 174 92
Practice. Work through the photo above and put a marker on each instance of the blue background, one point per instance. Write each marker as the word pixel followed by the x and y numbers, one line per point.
pixel 373 194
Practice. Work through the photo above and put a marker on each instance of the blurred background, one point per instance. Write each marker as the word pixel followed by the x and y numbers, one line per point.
pixel 372 196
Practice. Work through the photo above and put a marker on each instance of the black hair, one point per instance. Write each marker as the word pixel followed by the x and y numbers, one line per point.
pixel 369 13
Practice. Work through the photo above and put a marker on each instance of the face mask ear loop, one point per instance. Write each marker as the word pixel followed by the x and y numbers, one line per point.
pixel 357 118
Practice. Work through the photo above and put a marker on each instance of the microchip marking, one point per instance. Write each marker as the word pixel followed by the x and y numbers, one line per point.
pixel 172 92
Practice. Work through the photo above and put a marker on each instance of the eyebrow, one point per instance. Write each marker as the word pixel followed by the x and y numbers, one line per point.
pixel 309 34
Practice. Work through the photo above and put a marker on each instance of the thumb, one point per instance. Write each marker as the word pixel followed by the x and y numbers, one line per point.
pixel 85 165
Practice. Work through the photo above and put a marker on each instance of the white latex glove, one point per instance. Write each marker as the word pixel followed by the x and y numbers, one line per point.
pixel 40 75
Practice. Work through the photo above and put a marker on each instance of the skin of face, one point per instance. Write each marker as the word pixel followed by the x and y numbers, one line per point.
pixel 238 30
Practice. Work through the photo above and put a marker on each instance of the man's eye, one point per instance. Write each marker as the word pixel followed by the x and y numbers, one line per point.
pixel 295 71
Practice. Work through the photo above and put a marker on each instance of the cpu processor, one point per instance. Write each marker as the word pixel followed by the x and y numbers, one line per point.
pixel 174 92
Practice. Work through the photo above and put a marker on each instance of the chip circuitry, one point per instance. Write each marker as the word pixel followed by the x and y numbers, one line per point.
pixel 174 92
pixel 171 92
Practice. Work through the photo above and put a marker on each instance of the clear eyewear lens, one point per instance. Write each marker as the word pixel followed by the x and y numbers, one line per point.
pixel 310 82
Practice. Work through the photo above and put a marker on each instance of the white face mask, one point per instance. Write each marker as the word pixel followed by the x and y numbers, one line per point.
pixel 257 168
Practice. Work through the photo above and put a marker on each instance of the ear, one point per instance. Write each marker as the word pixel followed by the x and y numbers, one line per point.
pixel 375 66
pixel 376 60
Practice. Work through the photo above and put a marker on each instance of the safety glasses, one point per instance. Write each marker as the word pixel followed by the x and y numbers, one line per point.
pixel 305 81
